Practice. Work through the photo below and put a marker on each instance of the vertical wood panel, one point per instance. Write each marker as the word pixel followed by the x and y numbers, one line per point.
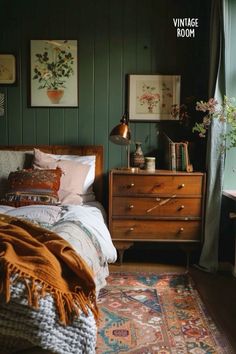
pixel 143 61
pixel 13 40
pixel 101 75
pixel 29 128
pixel 71 115
pixel 115 39
pixel 86 72
pixel 3 120
pixel 116 80
pixel 130 57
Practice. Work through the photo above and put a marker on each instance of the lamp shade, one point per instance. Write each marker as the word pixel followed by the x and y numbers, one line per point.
pixel 120 134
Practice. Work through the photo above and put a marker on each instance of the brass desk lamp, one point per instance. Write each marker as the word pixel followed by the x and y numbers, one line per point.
pixel 121 135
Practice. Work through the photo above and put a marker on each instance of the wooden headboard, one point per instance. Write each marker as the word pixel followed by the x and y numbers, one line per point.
pixel 96 150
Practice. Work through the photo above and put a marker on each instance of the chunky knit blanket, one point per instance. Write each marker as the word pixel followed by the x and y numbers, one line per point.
pixel 47 291
pixel 22 327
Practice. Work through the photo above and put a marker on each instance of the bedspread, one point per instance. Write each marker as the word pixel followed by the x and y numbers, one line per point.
pixel 84 228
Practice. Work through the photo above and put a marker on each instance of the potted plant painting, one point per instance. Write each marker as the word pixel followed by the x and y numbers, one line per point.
pixel 53 69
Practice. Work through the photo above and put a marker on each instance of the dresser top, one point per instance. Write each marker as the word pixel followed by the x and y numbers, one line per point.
pixel 138 171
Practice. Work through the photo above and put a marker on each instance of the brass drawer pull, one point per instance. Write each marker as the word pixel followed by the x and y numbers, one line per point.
pixel 181 229
pixel 181 207
pixel 131 206
pixel 131 185
pixel 131 229
pixel 182 185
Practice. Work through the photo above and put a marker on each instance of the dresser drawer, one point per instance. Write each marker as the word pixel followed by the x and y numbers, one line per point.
pixel 156 230
pixel 151 207
pixel 154 184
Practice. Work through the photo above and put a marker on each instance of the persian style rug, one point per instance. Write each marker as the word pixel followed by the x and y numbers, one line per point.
pixel 146 313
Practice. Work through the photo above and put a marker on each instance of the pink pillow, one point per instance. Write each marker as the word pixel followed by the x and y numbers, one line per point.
pixel 72 179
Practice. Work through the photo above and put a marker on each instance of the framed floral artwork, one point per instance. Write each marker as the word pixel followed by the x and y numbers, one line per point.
pixel 152 97
pixel 7 69
pixel 54 73
pixel 2 104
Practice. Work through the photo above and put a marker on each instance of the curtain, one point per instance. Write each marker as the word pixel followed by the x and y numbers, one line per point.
pixel 214 158
pixel 230 71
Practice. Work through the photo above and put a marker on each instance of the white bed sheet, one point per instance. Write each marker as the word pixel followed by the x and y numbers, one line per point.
pixel 83 226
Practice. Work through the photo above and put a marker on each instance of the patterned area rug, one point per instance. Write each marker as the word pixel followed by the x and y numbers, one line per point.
pixel 144 313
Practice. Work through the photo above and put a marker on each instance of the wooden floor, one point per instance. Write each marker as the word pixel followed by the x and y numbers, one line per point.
pixel 218 291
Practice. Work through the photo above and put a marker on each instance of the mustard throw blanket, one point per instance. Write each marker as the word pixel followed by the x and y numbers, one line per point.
pixel 47 264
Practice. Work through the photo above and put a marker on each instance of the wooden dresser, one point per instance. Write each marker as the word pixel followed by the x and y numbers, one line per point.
pixel 161 206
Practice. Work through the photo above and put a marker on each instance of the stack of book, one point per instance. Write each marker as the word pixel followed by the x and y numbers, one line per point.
pixel 177 155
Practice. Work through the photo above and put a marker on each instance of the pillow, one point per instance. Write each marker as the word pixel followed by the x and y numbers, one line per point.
pixel 76 176
pixel 28 187
pixel 12 161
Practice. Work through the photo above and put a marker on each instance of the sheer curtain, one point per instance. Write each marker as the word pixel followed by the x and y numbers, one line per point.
pixel 215 159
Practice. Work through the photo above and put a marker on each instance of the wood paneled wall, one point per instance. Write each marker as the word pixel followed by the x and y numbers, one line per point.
pixel 115 38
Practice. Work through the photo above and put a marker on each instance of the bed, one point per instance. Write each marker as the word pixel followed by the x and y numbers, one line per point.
pixel 68 218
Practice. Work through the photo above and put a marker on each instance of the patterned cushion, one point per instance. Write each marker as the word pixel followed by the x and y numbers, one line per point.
pixel 33 187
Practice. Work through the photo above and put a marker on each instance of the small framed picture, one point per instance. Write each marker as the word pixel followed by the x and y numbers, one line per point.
pixel 54 73
pixel 7 69
pixel 2 104
pixel 152 97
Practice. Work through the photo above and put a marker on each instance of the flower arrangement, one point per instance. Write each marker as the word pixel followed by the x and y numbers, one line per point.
pixel 225 113
pixel 149 97
pixel 53 66
pixel 211 109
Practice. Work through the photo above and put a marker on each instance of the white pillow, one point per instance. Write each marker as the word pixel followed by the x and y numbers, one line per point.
pixel 86 190
pixel 89 160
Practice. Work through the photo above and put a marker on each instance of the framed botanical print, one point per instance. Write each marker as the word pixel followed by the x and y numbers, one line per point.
pixel 7 69
pixel 54 73
pixel 152 97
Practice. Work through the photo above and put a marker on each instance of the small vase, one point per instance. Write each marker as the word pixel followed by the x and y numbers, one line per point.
pixel 137 158
pixel 55 95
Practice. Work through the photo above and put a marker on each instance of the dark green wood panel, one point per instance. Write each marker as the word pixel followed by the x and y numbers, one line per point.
pixel 71 121
pixel 29 123
pixel 116 79
pixel 101 77
pixel 143 62
pixel 3 119
pixel 129 56
pixel 42 126
pixel 57 126
pixel 86 72
pixel 14 111
pixel 115 38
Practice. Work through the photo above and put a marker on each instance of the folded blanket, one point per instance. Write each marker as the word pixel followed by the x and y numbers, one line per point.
pixel 47 264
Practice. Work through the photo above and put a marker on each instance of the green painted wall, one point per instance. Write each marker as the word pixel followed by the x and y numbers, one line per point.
pixel 115 38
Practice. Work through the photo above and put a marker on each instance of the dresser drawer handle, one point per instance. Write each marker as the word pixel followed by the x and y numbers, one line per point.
pixel 182 185
pixel 181 207
pixel 131 206
pixel 181 229
pixel 131 229
pixel 131 185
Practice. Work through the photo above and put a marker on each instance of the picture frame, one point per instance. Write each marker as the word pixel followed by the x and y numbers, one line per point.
pixel 7 69
pixel 152 97
pixel 2 104
pixel 53 73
